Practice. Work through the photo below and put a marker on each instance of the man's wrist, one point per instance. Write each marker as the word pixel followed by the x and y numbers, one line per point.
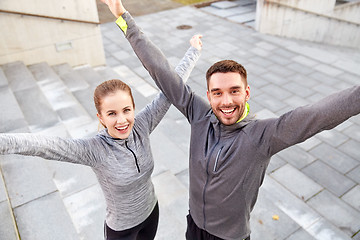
pixel 122 23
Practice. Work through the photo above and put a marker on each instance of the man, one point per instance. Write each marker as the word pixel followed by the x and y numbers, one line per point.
pixel 229 149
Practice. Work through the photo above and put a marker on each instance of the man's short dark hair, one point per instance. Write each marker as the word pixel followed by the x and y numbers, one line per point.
pixel 225 66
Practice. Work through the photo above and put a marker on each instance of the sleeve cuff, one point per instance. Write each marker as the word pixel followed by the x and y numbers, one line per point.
pixel 122 24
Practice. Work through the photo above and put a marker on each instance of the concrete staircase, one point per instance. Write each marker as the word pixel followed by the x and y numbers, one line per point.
pixel 46 199
pixel 238 11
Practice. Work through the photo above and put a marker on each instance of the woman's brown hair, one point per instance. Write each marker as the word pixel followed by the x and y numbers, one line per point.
pixel 108 87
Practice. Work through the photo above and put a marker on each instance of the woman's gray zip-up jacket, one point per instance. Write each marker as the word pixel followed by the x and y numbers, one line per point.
pixel 123 167
pixel 227 163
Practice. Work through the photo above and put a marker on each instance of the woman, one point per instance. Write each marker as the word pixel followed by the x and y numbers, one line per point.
pixel 120 154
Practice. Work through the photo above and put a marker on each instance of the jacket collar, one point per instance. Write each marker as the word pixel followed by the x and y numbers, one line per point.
pixel 106 136
pixel 230 128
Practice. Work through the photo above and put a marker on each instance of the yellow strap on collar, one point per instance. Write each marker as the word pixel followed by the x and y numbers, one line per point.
pixel 247 110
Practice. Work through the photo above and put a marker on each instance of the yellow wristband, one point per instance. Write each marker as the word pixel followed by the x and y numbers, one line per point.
pixel 122 24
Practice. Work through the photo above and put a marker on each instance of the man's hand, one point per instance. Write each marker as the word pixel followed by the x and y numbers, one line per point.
pixel 115 6
pixel 196 42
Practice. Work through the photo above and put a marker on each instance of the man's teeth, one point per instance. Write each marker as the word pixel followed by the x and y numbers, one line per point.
pixel 228 111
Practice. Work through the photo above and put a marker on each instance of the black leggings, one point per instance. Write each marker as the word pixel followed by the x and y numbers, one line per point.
pixel 144 231
pixel 193 232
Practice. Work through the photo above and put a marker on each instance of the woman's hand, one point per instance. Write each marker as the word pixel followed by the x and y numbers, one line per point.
pixel 196 42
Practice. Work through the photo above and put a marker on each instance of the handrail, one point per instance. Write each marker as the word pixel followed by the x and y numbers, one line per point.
pixel 49 17
pixel 314 13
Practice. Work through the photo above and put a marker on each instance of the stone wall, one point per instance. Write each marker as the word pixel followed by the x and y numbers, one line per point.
pixel 51 31
pixel 318 21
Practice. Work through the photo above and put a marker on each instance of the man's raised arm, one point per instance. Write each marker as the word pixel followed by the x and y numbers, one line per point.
pixel 153 59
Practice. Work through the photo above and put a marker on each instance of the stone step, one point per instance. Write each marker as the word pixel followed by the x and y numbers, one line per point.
pixel 72 79
pixel 34 105
pixel 81 82
pixel 3 80
pixel 240 11
pixel 74 182
pixel 71 113
pixel 8 228
pixel 29 180
pixel 12 120
pixel 90 75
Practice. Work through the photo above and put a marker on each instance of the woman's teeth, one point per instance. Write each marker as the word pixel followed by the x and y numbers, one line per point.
pixel 121 128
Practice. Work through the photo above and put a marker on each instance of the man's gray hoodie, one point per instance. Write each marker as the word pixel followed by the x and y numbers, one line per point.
pixel 227 163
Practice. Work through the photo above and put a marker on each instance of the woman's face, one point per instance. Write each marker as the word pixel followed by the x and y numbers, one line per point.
pixel 117 114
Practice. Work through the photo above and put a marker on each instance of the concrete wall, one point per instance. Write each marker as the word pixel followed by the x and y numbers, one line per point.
pixel 319 6
pixel 348 11
pixel 310 20
pixel 34 39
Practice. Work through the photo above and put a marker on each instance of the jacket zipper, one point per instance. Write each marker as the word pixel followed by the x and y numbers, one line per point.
pixel 217 159
pixel 207 177
pixel 136 161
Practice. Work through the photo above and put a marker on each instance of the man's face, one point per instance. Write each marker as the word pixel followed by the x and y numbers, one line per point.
pixel 227 95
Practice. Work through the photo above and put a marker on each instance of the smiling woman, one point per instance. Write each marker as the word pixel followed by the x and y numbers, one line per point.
pixel 120 155
pixel 115 106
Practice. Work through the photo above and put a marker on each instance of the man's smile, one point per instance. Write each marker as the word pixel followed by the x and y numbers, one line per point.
pixel 228 111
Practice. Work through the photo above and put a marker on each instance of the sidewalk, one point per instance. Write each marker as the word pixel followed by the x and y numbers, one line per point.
pixel 313 186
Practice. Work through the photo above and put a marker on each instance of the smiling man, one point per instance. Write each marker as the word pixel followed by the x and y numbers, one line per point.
pixel 230 149
pixel 228 91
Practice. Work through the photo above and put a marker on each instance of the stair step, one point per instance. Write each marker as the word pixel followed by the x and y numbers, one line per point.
pixel 77 82
pixel 29 181
pixel 33 184
pixel 18 76
pixel 107 73
pixel 72 79
pixel 11 118
pixel 90 76
pixel 35 107
pixel 70 111
pixel 29 185
pixel 8 229
pixel 3 80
